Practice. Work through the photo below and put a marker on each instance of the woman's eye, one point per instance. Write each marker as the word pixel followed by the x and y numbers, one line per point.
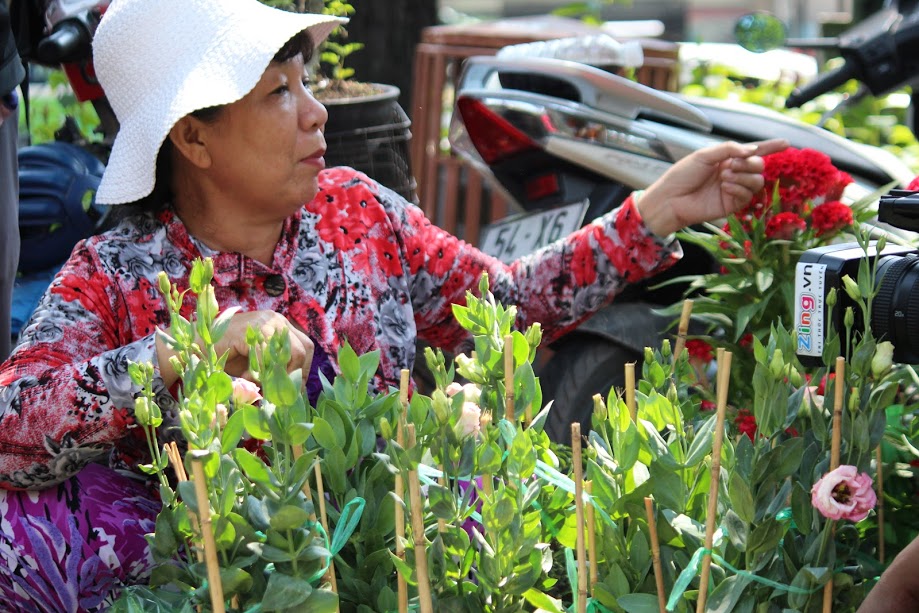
pixel 281 89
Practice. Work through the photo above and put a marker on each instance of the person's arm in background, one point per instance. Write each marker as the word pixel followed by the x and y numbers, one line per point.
pixel 898 589
pixel 12 73
pixel 65 393
pixel 564 283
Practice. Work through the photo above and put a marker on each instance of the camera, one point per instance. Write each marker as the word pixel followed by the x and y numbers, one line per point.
pixel 895 309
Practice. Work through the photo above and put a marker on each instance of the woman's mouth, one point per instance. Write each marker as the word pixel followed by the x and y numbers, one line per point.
pixel 315 159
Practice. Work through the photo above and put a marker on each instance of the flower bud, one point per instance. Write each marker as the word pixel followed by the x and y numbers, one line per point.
pixel 851 287
pixel 831 298
pixel 649 356
pixel 142 410
pixel 666 350
pixel 855 397
pixel 849 318
pixel 882 360
pixel 441 406
pixel 794 376
pixel 163 281
pixel 534 335
pixel 600 409
pixel 777 364
pixel 386 430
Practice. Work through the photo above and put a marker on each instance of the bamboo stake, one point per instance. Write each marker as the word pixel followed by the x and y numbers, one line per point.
pixel 320 493
pixel 630 390
pixel 656 556
pixel 880 480
pixel 425 602
pixel 214 586
pixel 682 330
pixel 400 492
pixel 488 486
pixel 838 399
pixel 579 510
pixel 175 459
pixel 724 376
pixel 509 377
pixel 592 537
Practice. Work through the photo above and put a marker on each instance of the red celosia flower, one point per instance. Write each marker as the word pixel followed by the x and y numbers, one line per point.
pixel 708 405
pixel 746 341
pixel 785 226
pixel 700 350
pixel 831 217
pixel 746 423
pixel 802 175
pixel 913 185
pixel 821 387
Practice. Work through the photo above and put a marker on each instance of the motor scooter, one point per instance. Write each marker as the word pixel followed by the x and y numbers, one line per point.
pixel 567 142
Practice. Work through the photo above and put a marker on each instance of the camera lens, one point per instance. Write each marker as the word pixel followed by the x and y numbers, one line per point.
pixel 897 304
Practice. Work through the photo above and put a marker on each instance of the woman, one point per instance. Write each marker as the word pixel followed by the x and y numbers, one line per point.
pixel 222 139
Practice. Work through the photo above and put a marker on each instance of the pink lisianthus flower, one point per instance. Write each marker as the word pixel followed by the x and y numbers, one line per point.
pixel 469 423
pixel 844 493
pixel 245 392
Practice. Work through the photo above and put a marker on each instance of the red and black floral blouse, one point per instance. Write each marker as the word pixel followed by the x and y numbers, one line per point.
pixel 358 263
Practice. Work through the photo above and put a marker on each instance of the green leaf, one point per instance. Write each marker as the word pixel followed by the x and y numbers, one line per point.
pixel 543 601
pixel 521 461
pixel 255 422
pixel 765 537
pixel 165 543
pixel 349 363
pixel 441 501
pixel 741 498
pixel 639 603
pixel 252 466
pixel 737 529
pixel 789 457
pixel 324 434
pixel 232 432
pixel 219 387
pixel 289 517
pixel 285 592
pixel 702 442
pixel 726 594
pixel 322 601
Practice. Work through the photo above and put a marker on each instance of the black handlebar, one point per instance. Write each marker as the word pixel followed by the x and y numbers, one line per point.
pixel 826 82
pixel 69 42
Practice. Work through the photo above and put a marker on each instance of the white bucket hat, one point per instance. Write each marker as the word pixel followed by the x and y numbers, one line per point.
pixel 159 60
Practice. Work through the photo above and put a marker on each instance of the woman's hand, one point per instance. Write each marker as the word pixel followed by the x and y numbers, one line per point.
pixel 234 342
pixel 708 184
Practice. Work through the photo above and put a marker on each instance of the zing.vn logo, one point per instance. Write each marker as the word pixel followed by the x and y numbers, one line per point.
pixel 804 326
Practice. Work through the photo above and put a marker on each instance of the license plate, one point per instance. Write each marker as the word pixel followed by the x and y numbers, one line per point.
pixel 517 236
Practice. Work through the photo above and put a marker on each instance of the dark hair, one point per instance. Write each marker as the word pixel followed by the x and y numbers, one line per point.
pixel 161 196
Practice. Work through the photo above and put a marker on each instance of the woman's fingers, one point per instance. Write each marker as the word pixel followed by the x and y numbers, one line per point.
pixel 773 145
pixel 268 323
pixel 301 350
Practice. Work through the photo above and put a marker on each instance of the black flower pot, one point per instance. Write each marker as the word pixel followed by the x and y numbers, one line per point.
pixel 371 134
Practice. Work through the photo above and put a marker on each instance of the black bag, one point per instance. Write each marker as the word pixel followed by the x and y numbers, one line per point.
pixel 27 20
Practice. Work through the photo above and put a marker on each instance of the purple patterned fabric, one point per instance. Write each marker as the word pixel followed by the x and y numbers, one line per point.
pixel 68 548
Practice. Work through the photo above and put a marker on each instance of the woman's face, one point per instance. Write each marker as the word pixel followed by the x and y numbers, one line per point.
pixel 266 149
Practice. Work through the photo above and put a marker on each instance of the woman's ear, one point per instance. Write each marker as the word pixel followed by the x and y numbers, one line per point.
pixel 189 137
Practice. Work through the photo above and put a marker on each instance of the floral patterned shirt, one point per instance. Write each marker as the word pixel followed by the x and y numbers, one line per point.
pixel 357 264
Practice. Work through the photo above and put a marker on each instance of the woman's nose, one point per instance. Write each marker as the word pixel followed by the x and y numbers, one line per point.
pixel 313 114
